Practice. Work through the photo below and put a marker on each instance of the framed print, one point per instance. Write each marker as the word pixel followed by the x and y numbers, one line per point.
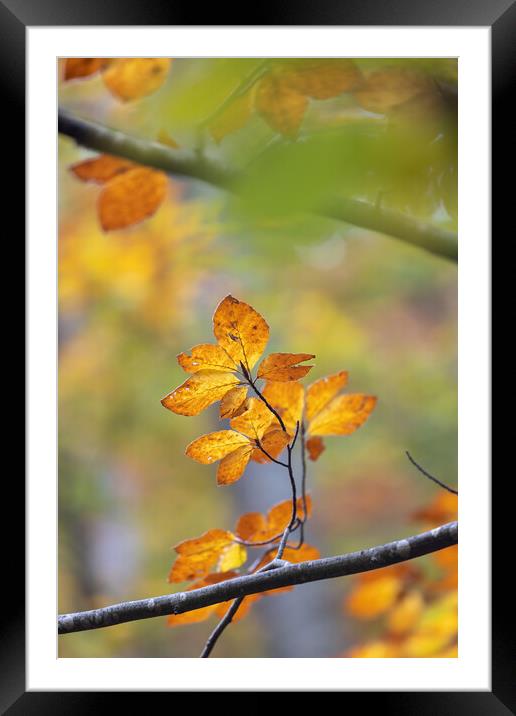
pixel 300 213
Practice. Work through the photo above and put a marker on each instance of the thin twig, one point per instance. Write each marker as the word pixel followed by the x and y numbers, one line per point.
pixel 430 477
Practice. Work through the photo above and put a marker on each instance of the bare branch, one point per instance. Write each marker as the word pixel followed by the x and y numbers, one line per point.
pixel 153 154
pixel 430 477
pixel 315 570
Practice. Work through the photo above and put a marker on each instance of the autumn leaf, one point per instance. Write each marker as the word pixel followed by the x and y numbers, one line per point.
pixel 322 78
pixel 198 392
pixel 135 77
pixel 198 556
pixel 242 335
pixel 284 366
pixel 282 106
pixel 234 117
pixel 101 169
pixel 234 447
pixel 315 447
pixel 287 399
pixel 329 413
pixel 130 194
pixel 165 138
pixel 78 67
pixel 131 197
pixel 256 527
pixel 384 90
pixel 406 613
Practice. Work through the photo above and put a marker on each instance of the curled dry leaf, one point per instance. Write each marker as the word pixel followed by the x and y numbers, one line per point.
pixel 284 366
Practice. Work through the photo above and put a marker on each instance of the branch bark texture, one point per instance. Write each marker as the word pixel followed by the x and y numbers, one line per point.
pixel 292 574
pixel 181 163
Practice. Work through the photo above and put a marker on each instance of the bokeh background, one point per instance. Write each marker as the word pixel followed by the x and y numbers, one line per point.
pixel 131 300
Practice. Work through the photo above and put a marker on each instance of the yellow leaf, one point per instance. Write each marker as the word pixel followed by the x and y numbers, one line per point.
pixel 76 67
pixel 214 446
pixel 343 415
pixel 406 613
pixel 371 598
pixel 199 391
pixel 234 117
pixel 232 557
pixel 240 331
pixel 131 197
pixel 197 556
pixel 101 169
pixel 206 356
pixel 273 443
pixel 254 421
pixel 165 138
pixel 287 399
pixel 384 90
pixel 233 403
pixel 134 77
pixel 283 366
pixel 232 466
pixel 322 78
pixel 319 393
pixel 281 106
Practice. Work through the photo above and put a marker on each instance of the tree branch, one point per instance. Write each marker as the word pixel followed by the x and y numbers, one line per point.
pixel 319 569
pixel 182 163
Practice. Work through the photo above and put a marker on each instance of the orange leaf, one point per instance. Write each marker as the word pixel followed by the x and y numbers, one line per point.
pixel 215 446
pixel 343 415
pixel 370 599
pixel 283 366
pixel 131 197
pixel 240 331
pixel 273 443
pixel 76 67
pixel 199 391
pixel 281 106
pixel 231 468
pixel 254 527
pixel 384 90
pixel 134 77
pixel 196 557
pixel 406 613
pixel 254 421
pixel 101 169
pixel 319 393
pixel 287 399
pixel 443 509
pixel 234 117
pixel 315 447
pixel 322 78
pixel 251 524
pixel 206 356
pixel 233 403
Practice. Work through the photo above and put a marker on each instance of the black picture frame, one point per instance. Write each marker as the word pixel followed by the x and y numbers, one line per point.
pixel 500 16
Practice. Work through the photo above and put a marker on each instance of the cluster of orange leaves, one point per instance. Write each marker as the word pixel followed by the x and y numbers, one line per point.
pixel 416 613
pixel 261 428
pixel 281 97
pixel 223 552
pixel 223 372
